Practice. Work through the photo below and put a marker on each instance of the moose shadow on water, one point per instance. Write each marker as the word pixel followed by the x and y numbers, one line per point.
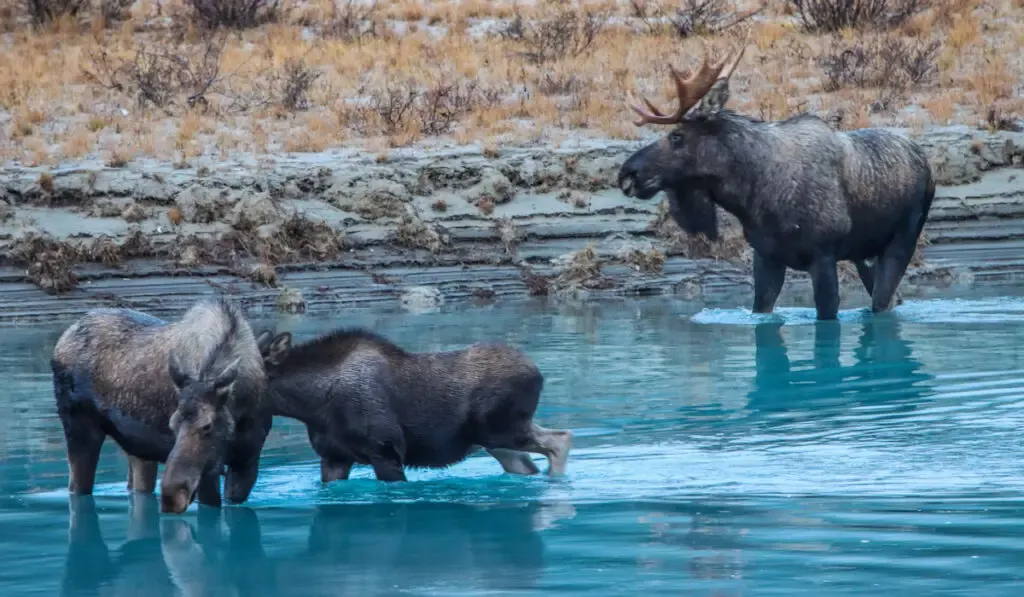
pixel 884 372
pixel 375 549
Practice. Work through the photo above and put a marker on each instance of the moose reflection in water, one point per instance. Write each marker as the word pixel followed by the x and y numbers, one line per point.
pixel 351 550
pixel 884 371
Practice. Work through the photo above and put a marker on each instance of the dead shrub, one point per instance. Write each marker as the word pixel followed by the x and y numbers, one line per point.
pixel 691 17
pixel 443 104
pixel 560 31
pixel 50 11
pixel 836 15
pixel 162 75
pixel 649 262
pixel 296 239
pixel 104 250
pixel 412 232
pixel 48 263
pixel 582 271
pixel 294 83
pixel 888 63
pixel 114 11
pixel 233 14
pixel 434 109
pixel 349 20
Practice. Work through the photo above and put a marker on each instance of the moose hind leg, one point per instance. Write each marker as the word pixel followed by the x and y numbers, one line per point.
pixel 866 273
pixel 554 444
pixel 514 462
pixel 889 272
pixel 769 277
pixel 334 470
pixel 141 475
pixel 389 461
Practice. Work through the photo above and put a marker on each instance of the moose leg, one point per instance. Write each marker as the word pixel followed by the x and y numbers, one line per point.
pixel 244 464
pixel 388 459
pixel 867 275
pixel 769 277
pixel 889 271
pixel 208 493
pixel 84 441
pixel 388 468
pixel 141 475
pixel 241 478
pixel 334 470
pixel 826 287
pixel 554 444
pixel 514 462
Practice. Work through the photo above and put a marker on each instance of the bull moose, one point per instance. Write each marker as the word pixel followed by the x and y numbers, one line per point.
pixel 807 196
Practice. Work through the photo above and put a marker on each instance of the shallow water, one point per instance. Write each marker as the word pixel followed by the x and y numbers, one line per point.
pixel 717 454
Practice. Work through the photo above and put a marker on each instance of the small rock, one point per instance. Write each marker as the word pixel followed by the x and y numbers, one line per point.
pixel 200 205
pixel 420 299
pixel 191 256
pixel 290 300
pixel 689 289
pixel 373 199
pixel 134 213
pixel 492 184
pixel 254 211
pixel 153 189
pixel 599 173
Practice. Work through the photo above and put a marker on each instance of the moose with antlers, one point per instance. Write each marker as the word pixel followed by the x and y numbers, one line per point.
pixel 806 195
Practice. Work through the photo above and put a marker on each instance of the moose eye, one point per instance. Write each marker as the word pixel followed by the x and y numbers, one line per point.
pixel 206 429
pixel 675 138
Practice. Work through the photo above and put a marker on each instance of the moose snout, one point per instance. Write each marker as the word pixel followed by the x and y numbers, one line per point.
pixel 176 498
pixel 627 181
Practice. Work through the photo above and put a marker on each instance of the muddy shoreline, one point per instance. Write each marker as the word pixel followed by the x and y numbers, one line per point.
pixel 316 233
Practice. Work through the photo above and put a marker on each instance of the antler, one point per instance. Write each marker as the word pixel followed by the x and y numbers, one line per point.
pixel 689 90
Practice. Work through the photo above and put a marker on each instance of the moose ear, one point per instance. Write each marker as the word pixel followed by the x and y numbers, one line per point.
pixel 263 341
pixel 281 345
pixel 227 377
pixel 714 100
pixel 178 375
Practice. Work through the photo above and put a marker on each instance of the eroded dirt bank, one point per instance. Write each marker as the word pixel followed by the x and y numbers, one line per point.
pixel 324 231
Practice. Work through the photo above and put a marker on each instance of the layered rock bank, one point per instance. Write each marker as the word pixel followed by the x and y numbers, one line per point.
pixel 322 232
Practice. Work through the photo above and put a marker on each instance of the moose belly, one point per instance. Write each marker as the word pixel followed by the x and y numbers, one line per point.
pixel 139 438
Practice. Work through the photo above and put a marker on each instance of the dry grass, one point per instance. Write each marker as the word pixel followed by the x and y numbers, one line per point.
pixel 333 73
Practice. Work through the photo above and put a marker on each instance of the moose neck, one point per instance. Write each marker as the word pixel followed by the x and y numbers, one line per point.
pixel 293 398
pixel 754 149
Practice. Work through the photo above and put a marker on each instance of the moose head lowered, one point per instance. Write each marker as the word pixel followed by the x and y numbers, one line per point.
pixel 365 400
pixel 806 196
pixel 189 393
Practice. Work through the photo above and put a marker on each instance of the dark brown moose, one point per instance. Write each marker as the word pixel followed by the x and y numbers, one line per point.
pixel 365 400
pixel 190 394
pixel 806 195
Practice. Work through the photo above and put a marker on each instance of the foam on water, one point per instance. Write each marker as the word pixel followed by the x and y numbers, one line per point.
pixel 991 310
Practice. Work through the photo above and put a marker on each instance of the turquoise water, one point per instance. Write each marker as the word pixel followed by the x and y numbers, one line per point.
pixel 717 454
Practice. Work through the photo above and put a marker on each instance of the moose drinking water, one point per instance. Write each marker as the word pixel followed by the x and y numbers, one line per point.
pixel 806 195
pixel 190 394
pixel 365 400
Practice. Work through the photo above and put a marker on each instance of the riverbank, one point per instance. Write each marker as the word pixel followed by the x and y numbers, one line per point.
pixel 317 232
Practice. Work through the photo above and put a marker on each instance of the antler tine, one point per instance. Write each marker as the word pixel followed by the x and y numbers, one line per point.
pixel 654 116
pixel 727 71
pixel 689 90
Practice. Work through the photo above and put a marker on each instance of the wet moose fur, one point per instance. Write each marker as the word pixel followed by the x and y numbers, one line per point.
pixel 365 400
pixel 190 394
pixel 806 195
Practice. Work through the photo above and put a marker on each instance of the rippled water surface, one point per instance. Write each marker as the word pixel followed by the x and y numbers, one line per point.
pixel 716 454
